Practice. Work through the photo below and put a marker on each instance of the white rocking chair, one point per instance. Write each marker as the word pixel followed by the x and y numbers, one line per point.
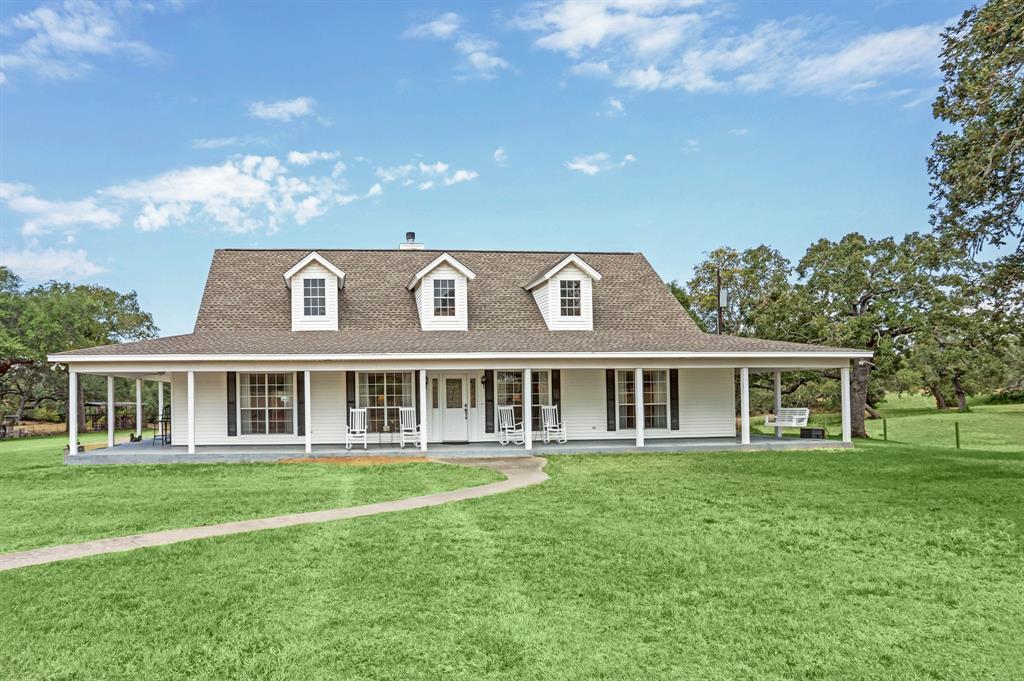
pixel 356 431
pixel 508 429
pixel 407 428
pixel 551 425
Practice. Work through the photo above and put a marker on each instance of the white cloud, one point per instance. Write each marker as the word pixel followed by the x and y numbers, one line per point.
pixel 460 176
pixel 692 146
pixel 442 28
pixel 395 172
pixel 50 263
pixel 738 132
pixel 284 110
pixel 592 164
pixel 43 216
pixel 242 195
pixel 479 60
pixel 869 57
pixel 300 158
pixel 500 156
pixel 221 142
pixel 423 186
pixel 433 169
pixel 375 190
pixel 612 107
pixel 62 41
pixel 662 44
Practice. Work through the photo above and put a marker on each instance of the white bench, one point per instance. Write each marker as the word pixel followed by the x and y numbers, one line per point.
pixel 788 417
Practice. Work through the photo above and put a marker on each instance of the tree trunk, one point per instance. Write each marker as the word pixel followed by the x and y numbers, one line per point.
pixel 859 398
pixel 20 413
pixel 872 412
pixel 961 396
pixel 940 399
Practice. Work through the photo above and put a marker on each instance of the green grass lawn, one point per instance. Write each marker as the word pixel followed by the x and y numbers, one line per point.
pixel 889 561
pixel 43 502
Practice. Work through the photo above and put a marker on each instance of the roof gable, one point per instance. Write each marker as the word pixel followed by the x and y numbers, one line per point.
pixel 444 258
pixel 571 259
pixel 314 256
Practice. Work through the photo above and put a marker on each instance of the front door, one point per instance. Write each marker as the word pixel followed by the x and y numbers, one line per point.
pixel 455 414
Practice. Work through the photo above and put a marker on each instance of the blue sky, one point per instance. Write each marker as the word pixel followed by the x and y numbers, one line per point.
pixel 136 138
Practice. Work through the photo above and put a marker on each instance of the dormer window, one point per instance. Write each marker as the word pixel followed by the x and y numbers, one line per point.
pixel 444 297
pixel 441 292
pixel 565 294
pixel 314 282
pixel 314 297
pixel 570 297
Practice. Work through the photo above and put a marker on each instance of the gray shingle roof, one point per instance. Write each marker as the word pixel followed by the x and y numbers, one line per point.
pixel 246 309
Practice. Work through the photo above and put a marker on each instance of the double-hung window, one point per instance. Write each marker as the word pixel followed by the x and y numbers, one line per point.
pixel 509 392
pixel 381 393
pixel 314 297
pixel 444 297
pixel 569 297
pixel 266 404
pixel 655 393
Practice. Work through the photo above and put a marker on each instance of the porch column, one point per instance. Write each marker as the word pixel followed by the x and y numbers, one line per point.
pixel 111 414
pixel 72 411
pixel 191 409
pixel 844 374
pixel 744 406
pixel 159 402
pixel 424 410
pixel 638 404
pixel 528 408
pixel 308 409
pixel 778 400
pixel 138 407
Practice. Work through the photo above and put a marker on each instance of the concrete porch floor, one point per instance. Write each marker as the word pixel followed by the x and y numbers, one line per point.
pixel 149 452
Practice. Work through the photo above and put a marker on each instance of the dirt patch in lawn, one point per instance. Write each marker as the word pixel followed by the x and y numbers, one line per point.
pixel 358 460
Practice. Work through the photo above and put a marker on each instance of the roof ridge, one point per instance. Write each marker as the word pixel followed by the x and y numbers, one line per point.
pixel 424 250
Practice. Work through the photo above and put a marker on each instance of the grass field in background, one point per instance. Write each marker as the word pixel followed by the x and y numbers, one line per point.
pixel 44 502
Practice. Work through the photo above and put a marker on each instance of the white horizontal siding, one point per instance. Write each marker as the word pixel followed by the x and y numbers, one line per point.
pixel 584 408
pixel 585 322
pixel 540 295
pixel 300 322
pixel 707 403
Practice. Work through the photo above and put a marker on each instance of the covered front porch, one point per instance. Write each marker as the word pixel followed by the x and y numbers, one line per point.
pixel 150 452
pixel 272 409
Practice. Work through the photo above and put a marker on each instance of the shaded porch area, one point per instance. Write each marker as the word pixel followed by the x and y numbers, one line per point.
pixel 148 452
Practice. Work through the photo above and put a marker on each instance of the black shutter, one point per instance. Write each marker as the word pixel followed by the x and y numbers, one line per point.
pixel 609 393
pixel 556 389
pixel 489 401
pixel 300 401
pixel 416 394
pixel 232 404
pixel 350 392
pixel 673 396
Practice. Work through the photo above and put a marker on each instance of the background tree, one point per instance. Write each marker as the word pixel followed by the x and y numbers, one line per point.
pixel 977 166
pixel 757 281
pixel 683 296
pixel 55 317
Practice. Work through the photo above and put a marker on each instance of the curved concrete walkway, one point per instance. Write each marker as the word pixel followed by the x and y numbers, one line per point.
pixel 519 472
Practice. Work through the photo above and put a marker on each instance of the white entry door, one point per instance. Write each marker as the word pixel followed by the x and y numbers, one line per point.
pixel 455 411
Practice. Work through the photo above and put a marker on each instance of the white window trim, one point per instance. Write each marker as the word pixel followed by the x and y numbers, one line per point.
pixel 323 281
pixel 454 298
pixel 238 404
pixel 579 299
pixel 667 402
pixel 357 396
pixel 536 426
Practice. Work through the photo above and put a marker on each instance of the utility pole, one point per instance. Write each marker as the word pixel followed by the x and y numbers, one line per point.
pixel 722 297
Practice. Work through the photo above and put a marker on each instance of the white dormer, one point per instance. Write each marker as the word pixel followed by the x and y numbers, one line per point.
pixel 440 290
pixel 564 295
pixel 314 282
